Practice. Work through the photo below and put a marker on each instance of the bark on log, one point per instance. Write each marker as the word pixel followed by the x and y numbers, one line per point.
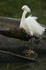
pixel 10 27
pixel 12 50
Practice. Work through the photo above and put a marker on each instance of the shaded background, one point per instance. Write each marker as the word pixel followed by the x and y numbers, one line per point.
pixel 12 8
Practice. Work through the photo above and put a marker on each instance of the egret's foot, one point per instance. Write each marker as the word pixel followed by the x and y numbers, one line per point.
pixel 31 53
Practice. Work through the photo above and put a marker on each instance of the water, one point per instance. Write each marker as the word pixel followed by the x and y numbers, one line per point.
pixel 25 65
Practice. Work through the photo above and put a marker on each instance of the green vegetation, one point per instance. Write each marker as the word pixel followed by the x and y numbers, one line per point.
pixel 12 8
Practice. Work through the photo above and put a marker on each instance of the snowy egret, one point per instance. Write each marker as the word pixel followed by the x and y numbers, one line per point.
pixel 30 24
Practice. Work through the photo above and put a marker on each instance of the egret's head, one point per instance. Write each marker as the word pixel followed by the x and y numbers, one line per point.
pixel 26 8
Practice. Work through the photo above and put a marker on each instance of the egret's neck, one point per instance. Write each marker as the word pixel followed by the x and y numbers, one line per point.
pixel 23 18
pixel 24 14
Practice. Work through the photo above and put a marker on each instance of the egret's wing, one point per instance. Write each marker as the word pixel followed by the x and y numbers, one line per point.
pixel 31 22
pixel 34 26
pixel 29 26
pixel 35 18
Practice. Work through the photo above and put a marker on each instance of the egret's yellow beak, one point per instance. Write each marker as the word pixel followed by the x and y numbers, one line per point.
pixel 22 8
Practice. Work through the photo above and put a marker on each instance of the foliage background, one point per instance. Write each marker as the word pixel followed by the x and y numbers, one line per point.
pixel 12 8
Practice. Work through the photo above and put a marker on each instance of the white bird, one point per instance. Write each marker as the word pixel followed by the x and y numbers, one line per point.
pixel 30 24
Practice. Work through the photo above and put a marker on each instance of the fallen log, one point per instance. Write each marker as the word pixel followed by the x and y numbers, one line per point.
pixel 12 49
pixel 13 57
pixel 10 27
pixel 17 46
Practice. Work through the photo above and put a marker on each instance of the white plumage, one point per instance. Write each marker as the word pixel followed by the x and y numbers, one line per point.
pixel 30 24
